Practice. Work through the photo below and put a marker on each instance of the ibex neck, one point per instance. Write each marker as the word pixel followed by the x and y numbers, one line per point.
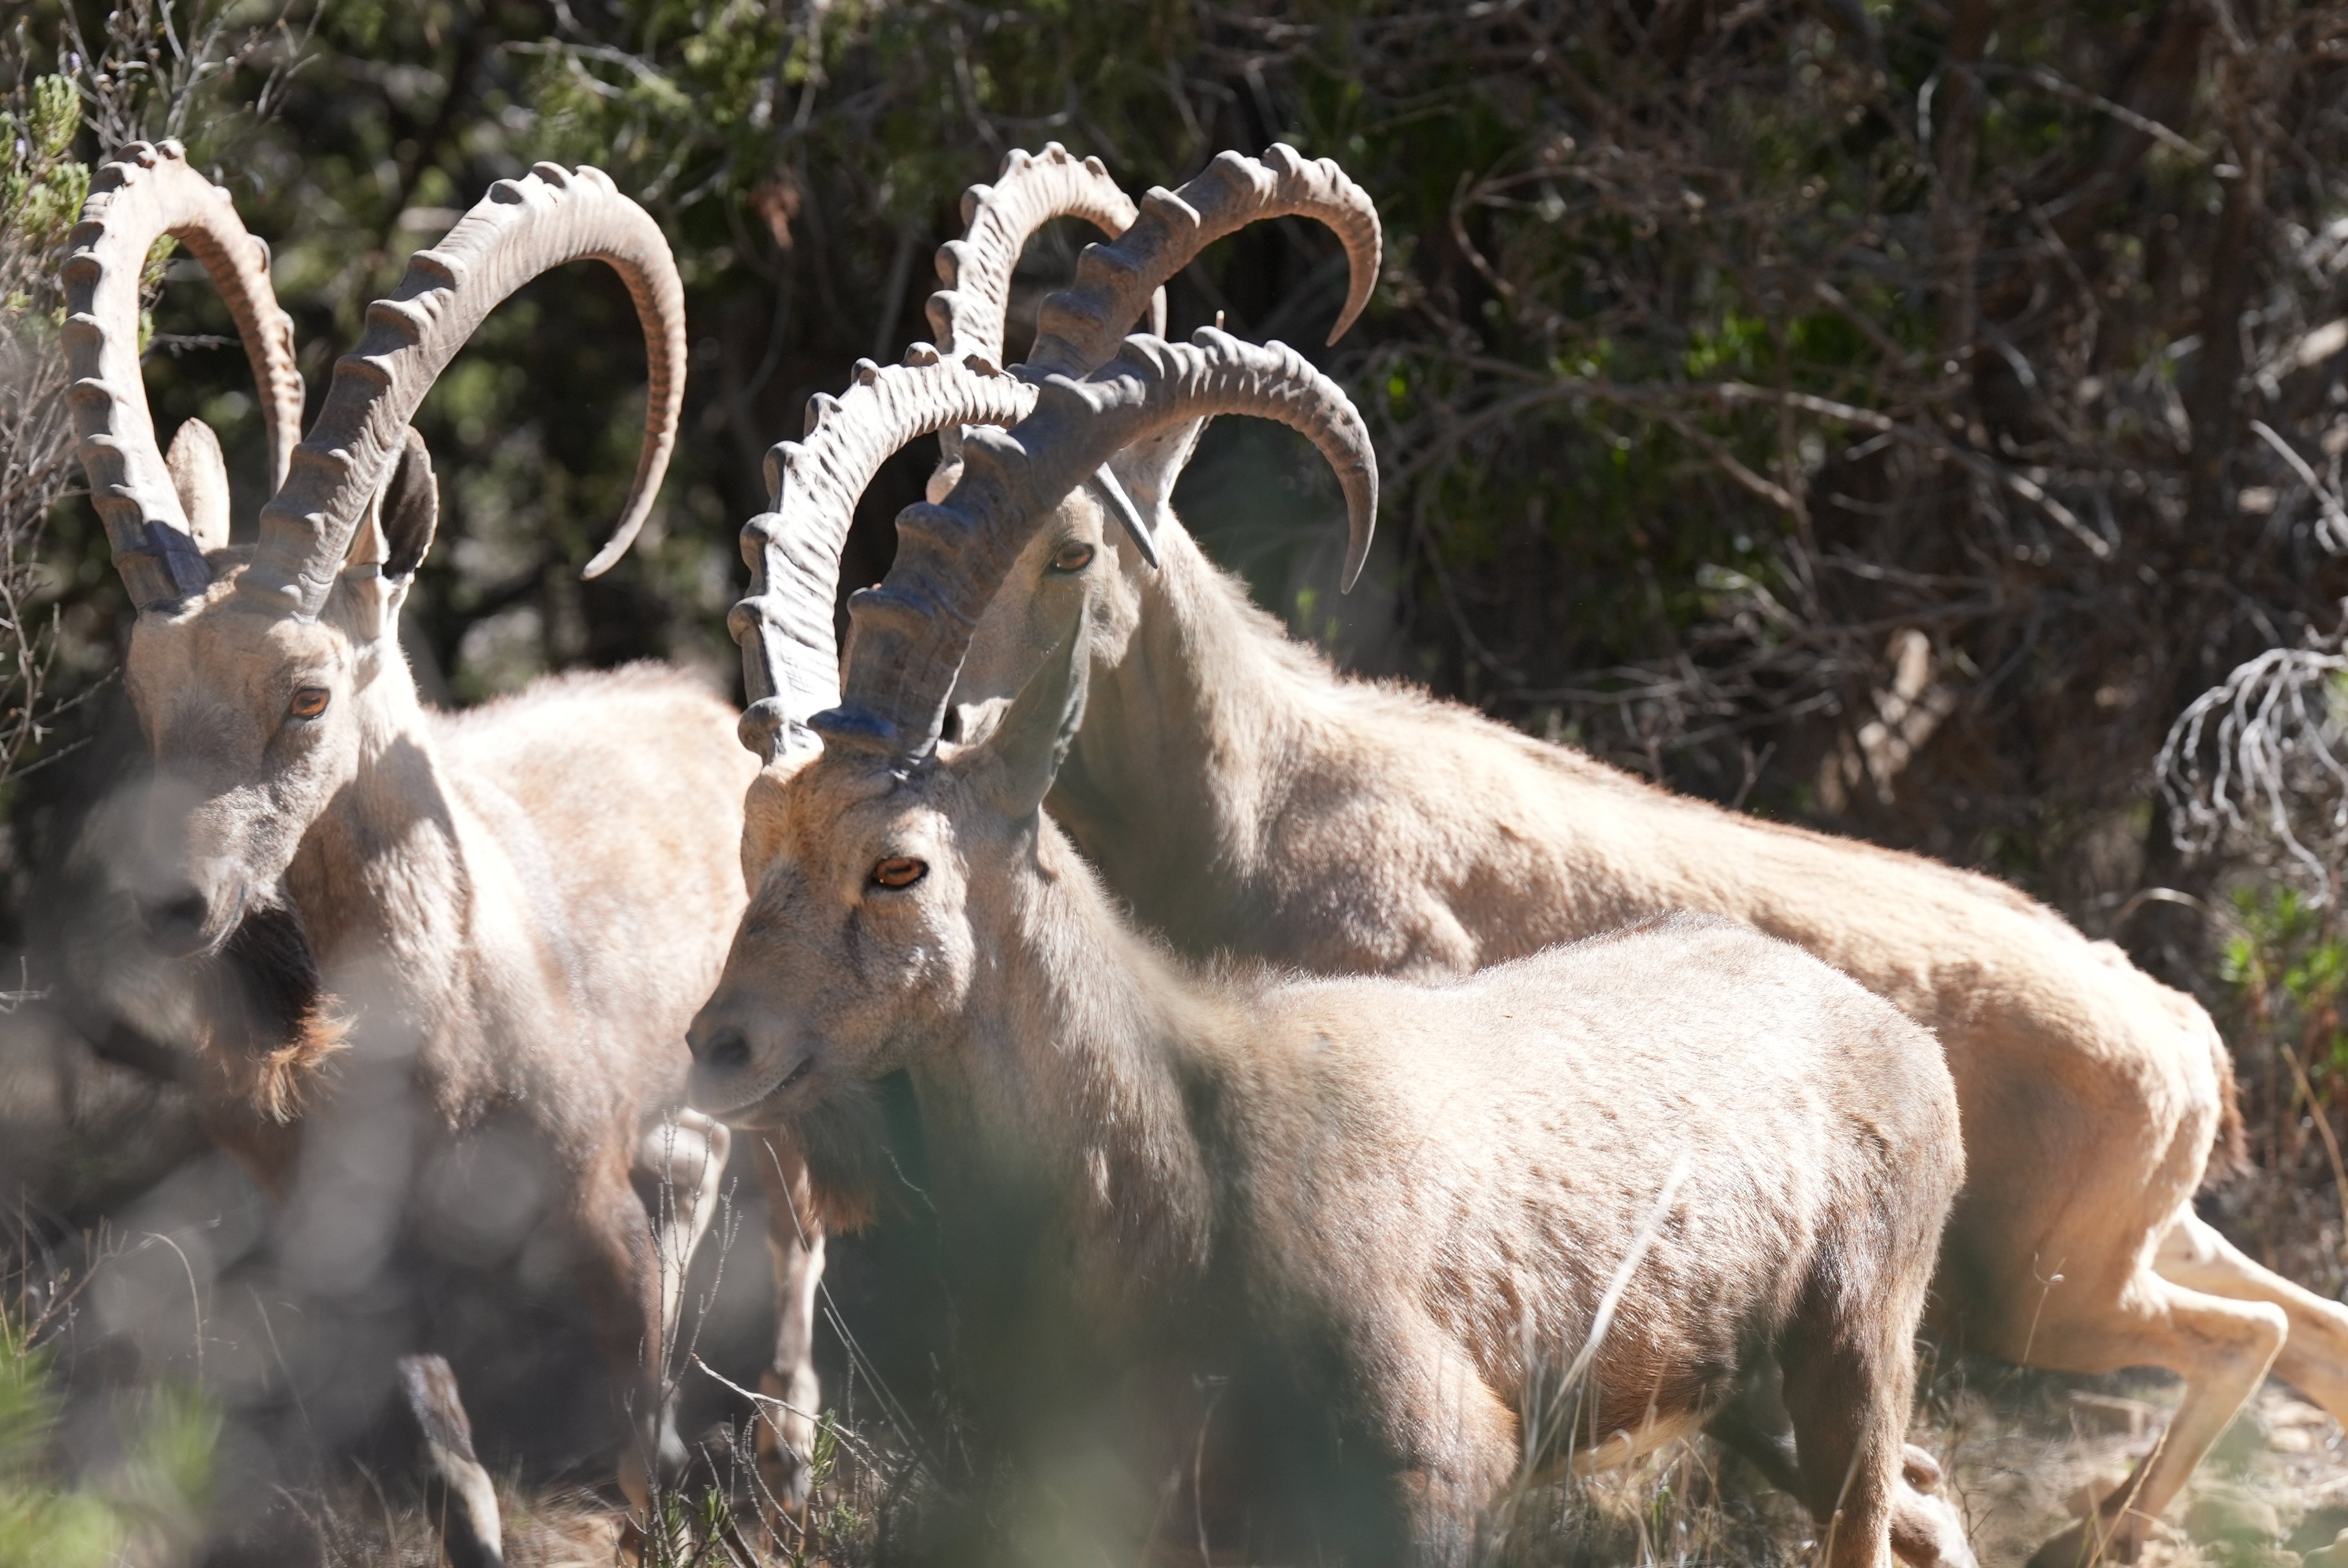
pixel 1074 1090
pixel 379 878
pixel 1177 773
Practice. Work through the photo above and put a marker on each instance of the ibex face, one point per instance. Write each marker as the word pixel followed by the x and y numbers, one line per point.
pixel 256 720
pixel 867 925
pixel 249 720
pixel 856 927
pixel 1078 556
pixel 253 672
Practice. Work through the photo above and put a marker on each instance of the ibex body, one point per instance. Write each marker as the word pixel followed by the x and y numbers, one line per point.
pixel 1242 797
pixel 1397 1206
pixel 465 946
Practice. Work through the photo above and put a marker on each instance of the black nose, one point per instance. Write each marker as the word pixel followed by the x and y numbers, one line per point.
pixel 728 1050
pixel 174 920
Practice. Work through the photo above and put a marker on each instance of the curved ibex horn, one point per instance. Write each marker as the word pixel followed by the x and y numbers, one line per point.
pixel 998 219
pixel 911 632
pixel 790 662
pixel 520 229
pixel 146 191
pixel 1081 325
pixel 969 313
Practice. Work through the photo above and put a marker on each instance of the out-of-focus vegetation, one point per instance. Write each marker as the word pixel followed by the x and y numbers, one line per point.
pixel 1887 416
pixel 144 1504
pixel 1891 416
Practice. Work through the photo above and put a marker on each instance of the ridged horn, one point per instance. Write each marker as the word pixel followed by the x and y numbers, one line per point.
pixel 968 313
pixel 790 663
pixel 146 191
pixel 520 229
pixel 1081 325
pixel 909 634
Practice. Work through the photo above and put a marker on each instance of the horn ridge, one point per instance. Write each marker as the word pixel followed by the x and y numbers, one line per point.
pixel 909 636
pixel 968 313
pixel 148 190
pixel 1080 326
pixel 521 228
pixel 791 659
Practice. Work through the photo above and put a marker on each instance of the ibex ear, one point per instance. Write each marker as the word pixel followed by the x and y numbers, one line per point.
pixel 411 508
pixel 1024 754
pixel 200 475
pixel 1150 467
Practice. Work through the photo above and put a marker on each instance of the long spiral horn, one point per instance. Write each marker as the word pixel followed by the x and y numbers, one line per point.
pixel 790 662
pixel 148 190
pixel 1080 326
pixel 911 632
pixel 520 229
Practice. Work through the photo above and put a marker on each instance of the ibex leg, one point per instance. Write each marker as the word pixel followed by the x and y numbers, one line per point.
pixel 795 1240
pixel 2315 1358
pixel 684 1154
pixel 1926 1530
pixel 620 1278
pixel 457 1489
pixel 2220 1349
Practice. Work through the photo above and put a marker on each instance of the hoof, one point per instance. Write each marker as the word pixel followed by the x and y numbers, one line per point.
pixel 785 1451
pixel 1926 1532
pixel 1920 1470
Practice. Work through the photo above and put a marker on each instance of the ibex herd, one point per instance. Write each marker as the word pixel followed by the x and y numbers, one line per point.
pixel 1469 1109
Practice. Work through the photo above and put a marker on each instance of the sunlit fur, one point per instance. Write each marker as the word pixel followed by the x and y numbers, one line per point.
pixel 1388 1209
pixel 510 912
pixel 1240 795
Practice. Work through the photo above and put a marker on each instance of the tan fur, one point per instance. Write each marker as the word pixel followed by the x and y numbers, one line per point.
pixel 513 910
pixel 1394 1206
pixel 277 1082
pixel 1240 795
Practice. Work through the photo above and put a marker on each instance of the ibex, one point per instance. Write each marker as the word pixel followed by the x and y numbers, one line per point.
pixel 495 924
pixel 795 550
pixel 1417 1214
pixel 1242 797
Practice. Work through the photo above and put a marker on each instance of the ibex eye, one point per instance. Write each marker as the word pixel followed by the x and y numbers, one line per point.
pixel 1074 556
pixel 899 871
pixel 308 702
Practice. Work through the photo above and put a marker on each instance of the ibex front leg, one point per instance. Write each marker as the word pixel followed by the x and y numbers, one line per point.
pixel 457 1489
pixel 620 1276
pixel 684 1154
pixel 795 1239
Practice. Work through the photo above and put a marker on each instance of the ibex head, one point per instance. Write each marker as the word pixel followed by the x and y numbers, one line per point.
pixel 873 843
pixel 1077 554
pixel 265 675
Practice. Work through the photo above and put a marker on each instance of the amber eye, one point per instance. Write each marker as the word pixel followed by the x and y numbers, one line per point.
pixel 1074 556
pixel 899 871
pixel 308 702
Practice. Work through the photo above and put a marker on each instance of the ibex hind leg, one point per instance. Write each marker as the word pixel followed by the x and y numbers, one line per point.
pixel 1847 1385
pixel 2219 1348
pixel 2315 1358
pixel 787 1429
pixel 1926 1530
pixel 1456 1442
